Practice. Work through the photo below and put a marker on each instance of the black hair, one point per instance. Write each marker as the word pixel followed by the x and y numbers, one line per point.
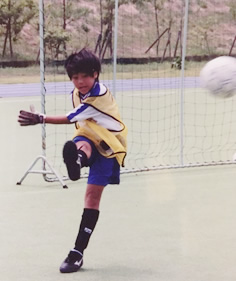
pixel 84 61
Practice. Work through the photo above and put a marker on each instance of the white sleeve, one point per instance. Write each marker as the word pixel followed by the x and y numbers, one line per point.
pixel 82 112
pixel 85 111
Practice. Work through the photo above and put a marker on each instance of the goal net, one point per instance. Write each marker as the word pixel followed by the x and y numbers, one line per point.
pixel 161 47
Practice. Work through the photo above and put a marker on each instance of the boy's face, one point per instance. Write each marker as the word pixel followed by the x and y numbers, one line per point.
pixel 84 82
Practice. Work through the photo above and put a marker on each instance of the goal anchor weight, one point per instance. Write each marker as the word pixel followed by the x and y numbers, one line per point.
pixel 43 171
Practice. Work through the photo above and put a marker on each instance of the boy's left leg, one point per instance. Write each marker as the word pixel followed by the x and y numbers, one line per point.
pixel 88 222
pixel 76 156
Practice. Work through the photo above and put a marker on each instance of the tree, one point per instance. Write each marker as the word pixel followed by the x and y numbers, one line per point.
pixel 107 8
pixel 54 40
pixel 56 22
pixel 232 9
pixel 158 6
pixel 14 14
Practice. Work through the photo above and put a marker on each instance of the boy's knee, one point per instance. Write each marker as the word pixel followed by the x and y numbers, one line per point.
pixel 85 147
pixel 92 200
pixel 93 197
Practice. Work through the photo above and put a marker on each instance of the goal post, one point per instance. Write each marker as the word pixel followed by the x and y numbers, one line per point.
pixel 47 167
pixel 151 63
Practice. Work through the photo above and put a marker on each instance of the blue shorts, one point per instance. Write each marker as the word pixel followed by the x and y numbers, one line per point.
pixel 103 171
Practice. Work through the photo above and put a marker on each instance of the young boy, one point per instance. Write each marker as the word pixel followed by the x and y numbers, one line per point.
pixel 99 142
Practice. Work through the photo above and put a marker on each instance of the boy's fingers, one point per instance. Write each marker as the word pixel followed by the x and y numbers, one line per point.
pixel 27 114
pixel 24 122
pixel 32 108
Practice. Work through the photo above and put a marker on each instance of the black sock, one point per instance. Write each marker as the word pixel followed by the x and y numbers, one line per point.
pixel 87 225
pixel 83 158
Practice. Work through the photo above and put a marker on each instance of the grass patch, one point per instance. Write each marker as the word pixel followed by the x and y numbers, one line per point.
pixel 32 74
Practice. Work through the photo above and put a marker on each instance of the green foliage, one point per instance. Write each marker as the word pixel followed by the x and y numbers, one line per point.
pixel 108 7
pixel 18 12
pixel 55 37
pixel 104 42
pixel 177 63
pixel 202 4
pixel 232 10
pixel 5 13
pixel 85 28
pixel 157 4
pixel 72 24
pixel 56 21
pixel 55 16
pixel 14 14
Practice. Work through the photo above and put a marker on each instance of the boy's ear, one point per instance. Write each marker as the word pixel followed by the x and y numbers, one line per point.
pixel 95 74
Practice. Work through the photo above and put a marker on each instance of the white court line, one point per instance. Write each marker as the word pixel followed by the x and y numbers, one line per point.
pixel 26 99
pixel 14 100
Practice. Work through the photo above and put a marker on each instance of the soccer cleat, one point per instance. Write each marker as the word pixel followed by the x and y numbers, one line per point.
pixel 72 263
pixel 72 160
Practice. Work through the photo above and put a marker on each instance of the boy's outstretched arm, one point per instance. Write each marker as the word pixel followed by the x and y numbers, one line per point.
pixel 27 118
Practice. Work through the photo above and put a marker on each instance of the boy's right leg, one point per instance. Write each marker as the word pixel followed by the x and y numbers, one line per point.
pixel 73 262
pixel 88 222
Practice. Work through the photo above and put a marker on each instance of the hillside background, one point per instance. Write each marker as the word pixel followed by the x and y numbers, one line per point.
pixel 71 25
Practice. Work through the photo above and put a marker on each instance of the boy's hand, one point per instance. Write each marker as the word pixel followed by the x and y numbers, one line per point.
pixel 27 118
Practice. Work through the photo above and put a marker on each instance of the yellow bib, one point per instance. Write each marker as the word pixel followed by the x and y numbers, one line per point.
pixel 108 143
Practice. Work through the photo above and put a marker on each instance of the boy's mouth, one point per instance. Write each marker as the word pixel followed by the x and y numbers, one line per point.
pixel 82 88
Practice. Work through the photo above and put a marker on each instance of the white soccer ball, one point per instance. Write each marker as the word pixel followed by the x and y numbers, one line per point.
pixel 218 76
pixel 234 157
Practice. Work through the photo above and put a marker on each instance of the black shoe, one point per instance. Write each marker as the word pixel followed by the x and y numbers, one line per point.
pixel 72 160
pixel 72 263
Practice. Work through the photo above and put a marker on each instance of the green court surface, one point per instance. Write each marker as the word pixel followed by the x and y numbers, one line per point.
pixel 169 225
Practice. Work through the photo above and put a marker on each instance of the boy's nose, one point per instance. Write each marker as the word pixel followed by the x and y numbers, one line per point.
pixel 80 81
